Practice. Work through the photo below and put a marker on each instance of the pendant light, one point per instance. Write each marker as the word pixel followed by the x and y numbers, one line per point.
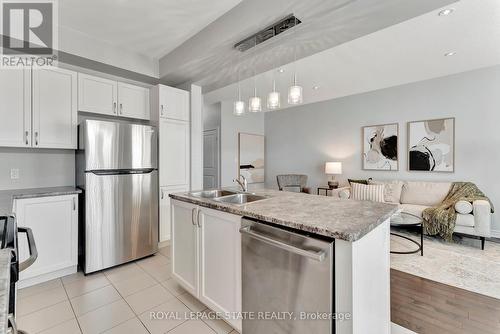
pixel 255 103
pixel 295 95
pixel 274 99
pixel 239 104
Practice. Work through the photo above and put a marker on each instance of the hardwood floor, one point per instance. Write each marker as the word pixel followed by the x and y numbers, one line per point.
pixel 428 307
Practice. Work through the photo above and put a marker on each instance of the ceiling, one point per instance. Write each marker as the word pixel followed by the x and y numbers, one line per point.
pixel 152 27
pixel 411 51
pixel 209 59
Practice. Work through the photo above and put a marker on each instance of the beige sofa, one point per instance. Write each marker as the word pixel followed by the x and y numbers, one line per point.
pixel 415 196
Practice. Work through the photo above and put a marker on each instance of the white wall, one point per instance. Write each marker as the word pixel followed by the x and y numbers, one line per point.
pixel 230 127
pixel 302 139
pixel 79 44
pixel 37 168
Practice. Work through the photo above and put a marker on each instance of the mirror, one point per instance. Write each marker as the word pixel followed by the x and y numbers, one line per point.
pixel 251 157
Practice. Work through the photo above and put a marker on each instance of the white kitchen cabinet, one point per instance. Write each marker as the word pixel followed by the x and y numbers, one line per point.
pixel 109 97
pixel 172 102
pixel 220 262
pixel 97 95
pixel 165 212
pixel 15 107
pixel 54 222
pixel 133 101
pixel 206 256
pixel 174 153
pixel 185 246
pixel 54 108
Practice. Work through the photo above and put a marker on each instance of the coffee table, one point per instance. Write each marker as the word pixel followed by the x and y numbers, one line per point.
pixel 408 220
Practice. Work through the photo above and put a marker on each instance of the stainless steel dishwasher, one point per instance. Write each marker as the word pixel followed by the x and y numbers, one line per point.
pixel 287 281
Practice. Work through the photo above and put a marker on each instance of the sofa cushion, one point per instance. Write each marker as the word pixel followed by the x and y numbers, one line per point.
pixel 465 220
pixel 424 193
pixel 363 192
pixel 392 190
pixel 463 207
pixel 413 209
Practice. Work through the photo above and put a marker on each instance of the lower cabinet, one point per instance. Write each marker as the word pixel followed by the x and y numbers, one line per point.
pixel 165 214
pixel 54 222
pixel 206 256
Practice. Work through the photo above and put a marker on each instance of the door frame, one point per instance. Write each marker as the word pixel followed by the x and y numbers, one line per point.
pixel 217 132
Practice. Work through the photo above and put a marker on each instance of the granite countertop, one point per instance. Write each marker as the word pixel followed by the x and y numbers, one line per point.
pixel 7 196
pixel 348 220
pixel 5 255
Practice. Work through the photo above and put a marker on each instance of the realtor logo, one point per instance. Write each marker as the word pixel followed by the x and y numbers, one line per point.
pixel 28 32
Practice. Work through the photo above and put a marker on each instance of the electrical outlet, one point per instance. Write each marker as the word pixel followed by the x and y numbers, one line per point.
pixel 14 173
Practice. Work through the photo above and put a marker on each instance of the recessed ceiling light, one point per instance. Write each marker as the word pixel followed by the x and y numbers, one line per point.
pixel 315 87
pixel 446 12
pixel 449 54
pixel 281 70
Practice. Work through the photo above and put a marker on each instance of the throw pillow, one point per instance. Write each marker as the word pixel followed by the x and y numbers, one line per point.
pixel 351 181
pixel 463 207
pixel 392 190
pixel 363 192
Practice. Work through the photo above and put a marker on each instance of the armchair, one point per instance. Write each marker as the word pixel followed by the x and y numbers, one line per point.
pixel 293 183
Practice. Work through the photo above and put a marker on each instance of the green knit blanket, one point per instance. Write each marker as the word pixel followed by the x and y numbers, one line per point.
pixel 441 219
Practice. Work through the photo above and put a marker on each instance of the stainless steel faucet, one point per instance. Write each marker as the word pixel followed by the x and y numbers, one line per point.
pixel 244 184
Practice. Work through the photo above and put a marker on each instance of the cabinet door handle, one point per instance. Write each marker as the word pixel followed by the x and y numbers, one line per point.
pixel 161 110
pixel 162 195
pixel 27 134
pixel 114 107
pixel 192 216
pixel 36 138
pixel 198 218
pixel 74 204
pixel 121 108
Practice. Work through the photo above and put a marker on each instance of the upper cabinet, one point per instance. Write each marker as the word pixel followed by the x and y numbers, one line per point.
pixel 171 103
pixel 15 108
pixel 38 108
pixel 54 108
pixel 133 101
pixel 97 95
pixel 109 97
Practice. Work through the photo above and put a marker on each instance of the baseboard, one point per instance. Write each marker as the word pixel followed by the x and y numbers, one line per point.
pixel 396 329
pixel 495 234
pixel 165 243
pixel 46 277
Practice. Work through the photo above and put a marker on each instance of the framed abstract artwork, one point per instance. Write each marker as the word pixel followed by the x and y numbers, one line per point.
pixel 380 147
pixel 431 145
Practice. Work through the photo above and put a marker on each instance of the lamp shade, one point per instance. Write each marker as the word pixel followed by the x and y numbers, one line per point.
pixel 333 168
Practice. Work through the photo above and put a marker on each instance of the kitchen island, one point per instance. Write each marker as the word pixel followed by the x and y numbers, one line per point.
pixel 207 250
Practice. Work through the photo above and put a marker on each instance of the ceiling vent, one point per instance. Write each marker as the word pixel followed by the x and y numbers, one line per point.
pixel 274 30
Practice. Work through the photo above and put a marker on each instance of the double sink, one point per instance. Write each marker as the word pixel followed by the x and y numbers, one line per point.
pixel 227 196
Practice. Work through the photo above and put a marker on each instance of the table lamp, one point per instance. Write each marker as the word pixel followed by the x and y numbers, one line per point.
pixel 333 168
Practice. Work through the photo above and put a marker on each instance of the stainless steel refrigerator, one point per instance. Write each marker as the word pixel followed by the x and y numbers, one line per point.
pixel 116 167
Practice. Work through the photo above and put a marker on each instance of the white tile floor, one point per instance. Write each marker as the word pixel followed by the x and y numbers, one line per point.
pixel 115 301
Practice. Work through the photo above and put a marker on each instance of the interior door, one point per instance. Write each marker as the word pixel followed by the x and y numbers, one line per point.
pixel 174 153
pixel 54 108
pixel 133 101
pixel 15 107
pixel 185 246
pixel 97 95
pixel 211 160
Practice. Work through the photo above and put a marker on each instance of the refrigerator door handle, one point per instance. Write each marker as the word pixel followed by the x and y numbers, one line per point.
pixel 318 255
pixel 122 171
